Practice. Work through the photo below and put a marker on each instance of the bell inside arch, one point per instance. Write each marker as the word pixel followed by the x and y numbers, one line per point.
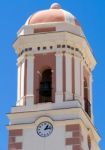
pixel 45 90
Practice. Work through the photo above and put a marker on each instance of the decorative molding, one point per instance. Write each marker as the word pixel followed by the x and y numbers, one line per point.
pixel 61 37
pixel 81 116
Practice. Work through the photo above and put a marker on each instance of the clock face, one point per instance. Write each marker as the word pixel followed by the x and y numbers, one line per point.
pixel 44 129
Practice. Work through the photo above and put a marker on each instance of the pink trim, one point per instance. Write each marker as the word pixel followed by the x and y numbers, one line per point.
pixel 77 147
pixel 76 138
pixel 16 132
pixel 12 139
pixel 64 77
pixel 81 79
pixel 73 127
pixel 71 141
pixel 48 29
pixel 35 101
pixel 73 77
pixel 12 145
pixel 15 146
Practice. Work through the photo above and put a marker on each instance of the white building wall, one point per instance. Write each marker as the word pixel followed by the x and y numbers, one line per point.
pixel 30 80
pixel 59 78
pixel 56 141
pixel 68 72
pixel 77 77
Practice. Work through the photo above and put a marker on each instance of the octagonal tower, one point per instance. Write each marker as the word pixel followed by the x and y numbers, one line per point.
pixel 54 93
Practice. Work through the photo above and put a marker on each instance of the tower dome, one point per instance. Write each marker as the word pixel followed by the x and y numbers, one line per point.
pixel 54 14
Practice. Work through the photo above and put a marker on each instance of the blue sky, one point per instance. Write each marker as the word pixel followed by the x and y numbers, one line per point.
pixel 13 14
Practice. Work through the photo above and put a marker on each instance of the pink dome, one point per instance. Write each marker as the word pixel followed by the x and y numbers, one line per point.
pixel 54 14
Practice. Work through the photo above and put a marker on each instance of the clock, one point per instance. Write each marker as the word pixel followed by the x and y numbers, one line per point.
pixel 44 129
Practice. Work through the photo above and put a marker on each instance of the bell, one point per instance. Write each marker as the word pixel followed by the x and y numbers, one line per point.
pixel 45 88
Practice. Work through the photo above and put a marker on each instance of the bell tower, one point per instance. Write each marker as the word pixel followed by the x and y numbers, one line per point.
pixel 54 95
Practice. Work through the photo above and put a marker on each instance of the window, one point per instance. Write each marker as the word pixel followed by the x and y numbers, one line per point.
pixel 72 48
pixel 51 47
pixel 30 49
pixel 45 90
pixel 68 46
pixel 44 47
pixel 63 46
pixel 86 98
pixel 38 48
pixel 58 46
pixel 77 49
pixel 26 49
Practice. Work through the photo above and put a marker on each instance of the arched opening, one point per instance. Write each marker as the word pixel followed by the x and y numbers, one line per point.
pixel 45 87
pixel 85 89
pixel 86 97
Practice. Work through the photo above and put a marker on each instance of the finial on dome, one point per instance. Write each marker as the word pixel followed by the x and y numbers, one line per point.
pixel 55 6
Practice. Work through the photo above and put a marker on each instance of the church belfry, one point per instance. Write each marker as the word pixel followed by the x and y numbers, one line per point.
pixel 54 95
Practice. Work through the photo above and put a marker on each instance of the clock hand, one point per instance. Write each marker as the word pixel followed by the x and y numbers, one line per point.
pixel 47 127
